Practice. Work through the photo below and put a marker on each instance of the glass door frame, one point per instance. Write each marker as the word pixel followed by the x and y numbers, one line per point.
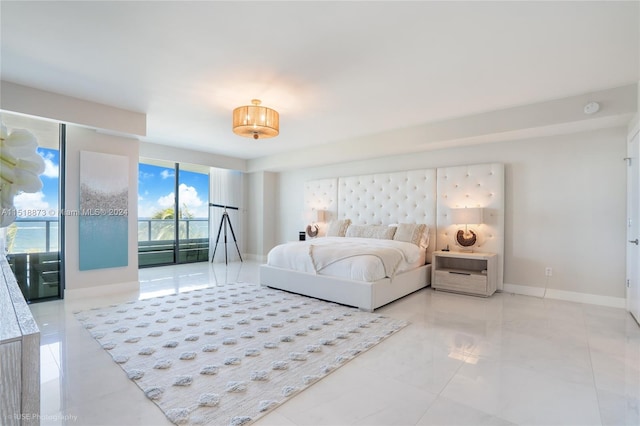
pixel 176 211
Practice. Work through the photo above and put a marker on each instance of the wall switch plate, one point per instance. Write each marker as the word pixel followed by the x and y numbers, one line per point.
pixel 548 271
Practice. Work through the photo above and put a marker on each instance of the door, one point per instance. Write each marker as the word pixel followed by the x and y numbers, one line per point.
pixel 34 243
pixel 633 227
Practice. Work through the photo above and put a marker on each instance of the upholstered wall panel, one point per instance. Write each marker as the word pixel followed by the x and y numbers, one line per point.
pixel 385 198
pixel 479 185
pixel 321 194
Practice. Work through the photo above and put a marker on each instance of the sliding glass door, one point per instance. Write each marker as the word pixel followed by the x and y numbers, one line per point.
pixel 33 243
pixel 173 213
pixel 193 199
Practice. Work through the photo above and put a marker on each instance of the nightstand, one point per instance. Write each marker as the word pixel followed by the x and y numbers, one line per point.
pixel 462 272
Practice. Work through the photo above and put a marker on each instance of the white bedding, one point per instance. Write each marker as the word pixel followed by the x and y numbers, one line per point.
pixel 360 259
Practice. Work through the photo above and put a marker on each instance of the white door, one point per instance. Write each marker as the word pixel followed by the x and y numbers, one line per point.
pixel 633 227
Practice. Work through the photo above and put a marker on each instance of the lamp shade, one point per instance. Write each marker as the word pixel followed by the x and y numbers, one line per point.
pixel 320 216
pixel 255 121
pixel 466 216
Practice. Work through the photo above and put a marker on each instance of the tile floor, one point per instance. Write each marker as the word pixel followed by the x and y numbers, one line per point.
pixel 463 360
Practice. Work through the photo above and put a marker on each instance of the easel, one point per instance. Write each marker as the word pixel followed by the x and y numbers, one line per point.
pixel 225 220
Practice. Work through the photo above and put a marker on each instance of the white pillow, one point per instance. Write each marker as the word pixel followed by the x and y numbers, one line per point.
pixel 411 233
pixel 380 232
pixel 424 242
pixel 337 228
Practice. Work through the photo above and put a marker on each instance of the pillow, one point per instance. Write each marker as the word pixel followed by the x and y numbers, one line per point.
pixel 410 233
pixel 380 232
pixel 337 228
pixel 424 242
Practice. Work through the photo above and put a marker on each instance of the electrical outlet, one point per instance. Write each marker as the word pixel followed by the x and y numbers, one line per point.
pixel 548 271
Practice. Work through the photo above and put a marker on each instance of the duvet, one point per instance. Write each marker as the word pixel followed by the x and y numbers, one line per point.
pixel 360 259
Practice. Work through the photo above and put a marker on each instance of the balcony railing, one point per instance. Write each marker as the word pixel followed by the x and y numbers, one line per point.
pixel 164 229
pixel 34 256
pixel 156 244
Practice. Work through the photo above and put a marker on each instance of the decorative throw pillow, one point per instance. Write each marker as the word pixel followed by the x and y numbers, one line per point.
pixel 424 241
pixel 380 232
pixel 410 232
pixel 338 228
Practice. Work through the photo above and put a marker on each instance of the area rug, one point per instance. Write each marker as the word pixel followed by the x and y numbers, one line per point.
pixel 227 355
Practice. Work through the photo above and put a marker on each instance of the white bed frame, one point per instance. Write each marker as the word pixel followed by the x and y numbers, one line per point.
pixel 417 196
pixel 366 296
pixel 400 197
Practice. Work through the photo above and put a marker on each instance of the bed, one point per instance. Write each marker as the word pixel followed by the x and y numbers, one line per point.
pixel 362 272
pixel 377 210
pixel 410 197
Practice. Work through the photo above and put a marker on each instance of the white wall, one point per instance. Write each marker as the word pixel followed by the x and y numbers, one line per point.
pixel 65 109
pixel 100 281
pixel 261 203
pixel 181 155
pixel 565 205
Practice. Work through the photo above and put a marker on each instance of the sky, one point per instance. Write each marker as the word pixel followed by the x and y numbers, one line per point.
pixel 156 189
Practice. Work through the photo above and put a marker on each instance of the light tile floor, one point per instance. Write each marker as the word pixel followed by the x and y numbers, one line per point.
pixel 463 360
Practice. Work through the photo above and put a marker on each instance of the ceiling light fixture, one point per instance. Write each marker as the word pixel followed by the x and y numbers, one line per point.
pixel 255 121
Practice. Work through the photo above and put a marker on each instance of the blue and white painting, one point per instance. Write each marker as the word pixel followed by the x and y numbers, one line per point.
pixel 103 213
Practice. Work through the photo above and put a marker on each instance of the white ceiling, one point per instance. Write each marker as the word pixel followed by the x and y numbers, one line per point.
pixel 334 70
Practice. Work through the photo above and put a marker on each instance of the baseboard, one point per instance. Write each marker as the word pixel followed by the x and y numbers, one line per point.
pixel 571 296
pixel 101 290
pixel 256 257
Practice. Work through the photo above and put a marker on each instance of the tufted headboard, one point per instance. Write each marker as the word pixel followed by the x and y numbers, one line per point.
pixel 378 199
pixel 385 198
pixel 321 194
pixel 478 185
pixel 418 196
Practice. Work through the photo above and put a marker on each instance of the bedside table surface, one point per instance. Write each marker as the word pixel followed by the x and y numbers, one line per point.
pixel 464 254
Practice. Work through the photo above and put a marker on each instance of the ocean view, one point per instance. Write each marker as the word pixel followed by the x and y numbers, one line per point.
pixel 30 235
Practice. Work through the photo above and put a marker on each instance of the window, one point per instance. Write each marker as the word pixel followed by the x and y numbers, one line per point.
pixel 163 190
pixel 33 242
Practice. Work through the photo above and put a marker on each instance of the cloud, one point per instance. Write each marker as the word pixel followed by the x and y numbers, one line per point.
pixel 146 209
pixel 144 175
pixel 33 202
pixel 51 170
pixel 189 197
pixel 167 200
pixel 166 174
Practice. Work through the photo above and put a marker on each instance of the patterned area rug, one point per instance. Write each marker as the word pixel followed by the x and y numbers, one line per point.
pixel 227 355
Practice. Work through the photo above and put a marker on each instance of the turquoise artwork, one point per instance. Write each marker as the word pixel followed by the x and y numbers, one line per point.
pixel 103 211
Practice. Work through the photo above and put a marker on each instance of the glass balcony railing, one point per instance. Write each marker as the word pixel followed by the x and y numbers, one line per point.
pixel 156 243
pixel 33 253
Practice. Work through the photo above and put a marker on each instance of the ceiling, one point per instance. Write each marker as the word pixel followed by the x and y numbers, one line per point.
pixel 334 70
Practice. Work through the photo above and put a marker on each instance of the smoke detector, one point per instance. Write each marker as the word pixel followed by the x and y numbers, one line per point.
pixel 591 108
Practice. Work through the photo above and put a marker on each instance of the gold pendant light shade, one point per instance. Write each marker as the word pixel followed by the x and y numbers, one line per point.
pixel 255 121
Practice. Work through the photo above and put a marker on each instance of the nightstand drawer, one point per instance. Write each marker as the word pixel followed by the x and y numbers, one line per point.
pixel 461 282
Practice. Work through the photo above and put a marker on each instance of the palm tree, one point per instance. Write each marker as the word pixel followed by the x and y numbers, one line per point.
pixel 165 231
pixel 12 230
